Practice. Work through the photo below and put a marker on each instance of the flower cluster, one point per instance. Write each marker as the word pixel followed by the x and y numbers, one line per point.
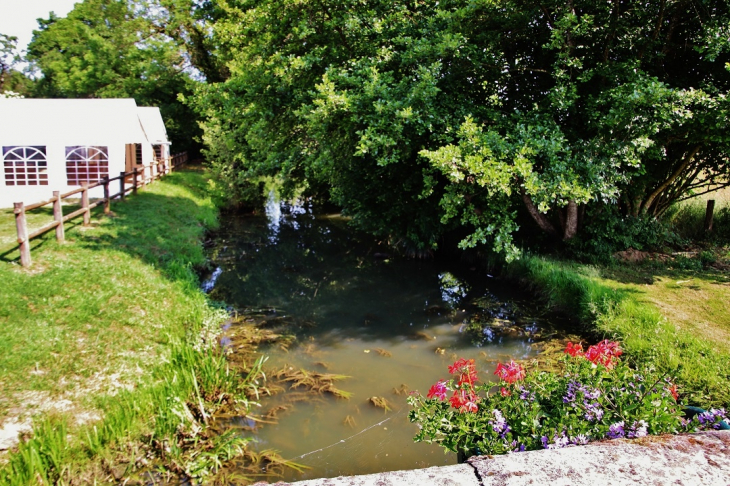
pixel 499 424
pixel 592 408
pixel 438 390
pixel 708 419
pixel 466 370
pixel 511 372
pixel 606 352
pixel 465 400
pixel 597 396
pixel 464 397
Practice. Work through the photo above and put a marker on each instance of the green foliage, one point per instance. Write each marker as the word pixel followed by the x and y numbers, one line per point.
pixel 43 458
pixel 646 336
pixel 115 49
pixel 420 118
pixel 688 220
pixel 608 231
pixel 584 403
pixel 11 80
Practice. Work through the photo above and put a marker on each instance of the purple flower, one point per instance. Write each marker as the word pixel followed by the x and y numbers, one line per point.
pixel 573 387
pixel 516 447
pixel 711 418
pixel 637 429
pixel 559 441
pixel 580 439
pixel 499 424
pixel 616 431
pixel 526 394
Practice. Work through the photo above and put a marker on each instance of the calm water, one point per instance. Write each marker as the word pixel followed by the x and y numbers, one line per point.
pixel 391 325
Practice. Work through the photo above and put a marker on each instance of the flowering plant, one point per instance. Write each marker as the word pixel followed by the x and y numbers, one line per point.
pixel 596 397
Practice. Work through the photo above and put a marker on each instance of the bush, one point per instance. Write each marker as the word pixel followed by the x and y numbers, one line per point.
pixel 607 231
pixel 596 397
pixel 688 221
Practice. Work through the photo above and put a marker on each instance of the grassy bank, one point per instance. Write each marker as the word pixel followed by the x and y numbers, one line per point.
pixel 107 348
pixel 639 306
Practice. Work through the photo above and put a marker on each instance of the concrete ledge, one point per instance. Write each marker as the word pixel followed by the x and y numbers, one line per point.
pixel 701 459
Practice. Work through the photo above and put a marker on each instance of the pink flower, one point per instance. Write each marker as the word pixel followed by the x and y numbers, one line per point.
pixel 505 392
pixel 438 391
pixel 511 372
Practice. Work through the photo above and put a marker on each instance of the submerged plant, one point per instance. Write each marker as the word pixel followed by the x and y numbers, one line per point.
pixel 597 396
pixel 380 402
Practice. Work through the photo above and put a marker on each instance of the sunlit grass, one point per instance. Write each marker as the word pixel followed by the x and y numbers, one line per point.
pixel 97 337
pixel 637 314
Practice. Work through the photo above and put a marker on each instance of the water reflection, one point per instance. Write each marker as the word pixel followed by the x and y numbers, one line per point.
pixel 273 215
pixel 452 289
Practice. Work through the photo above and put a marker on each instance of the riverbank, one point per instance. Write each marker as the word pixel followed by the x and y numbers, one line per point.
pixel 698 459
pixel 109 362
pixel 667 316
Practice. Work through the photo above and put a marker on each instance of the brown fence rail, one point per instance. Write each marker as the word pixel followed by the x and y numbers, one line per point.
pixel 128 182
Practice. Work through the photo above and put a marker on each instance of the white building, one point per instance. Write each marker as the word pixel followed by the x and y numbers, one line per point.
pixel 59 144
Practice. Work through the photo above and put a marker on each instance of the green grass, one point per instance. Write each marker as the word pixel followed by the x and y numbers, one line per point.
pixel 621 309
pixel 100 339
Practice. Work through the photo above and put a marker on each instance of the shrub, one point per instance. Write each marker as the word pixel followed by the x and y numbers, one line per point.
pixel 596 397
pixel 607 231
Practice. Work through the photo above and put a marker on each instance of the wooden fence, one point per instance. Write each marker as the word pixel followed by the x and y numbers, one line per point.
pixel 128 182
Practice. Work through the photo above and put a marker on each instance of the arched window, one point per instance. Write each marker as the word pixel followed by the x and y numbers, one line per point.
pixel 86 164
pixel 25 166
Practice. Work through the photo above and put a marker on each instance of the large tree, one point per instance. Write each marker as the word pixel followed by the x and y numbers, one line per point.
pixel 11 80
pixel 419 117
pixel 114 49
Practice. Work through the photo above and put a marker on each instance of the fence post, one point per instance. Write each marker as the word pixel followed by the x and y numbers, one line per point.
pixel 107 202
pixel 134 185
pixel 22 227
pixel 122 175
pixel 709 215
pixel 58 217
pixel 85 204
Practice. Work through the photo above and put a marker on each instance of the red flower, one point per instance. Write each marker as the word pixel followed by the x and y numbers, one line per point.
pixel 574 349
pixel 606 353
pixel 464 401
pixel 673 391
pixel 438 391
pixel 465 369
pixel 511 372
pixel 505 392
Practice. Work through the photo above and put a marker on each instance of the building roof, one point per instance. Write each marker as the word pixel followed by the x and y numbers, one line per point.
pixel 152 124
pixel 75 122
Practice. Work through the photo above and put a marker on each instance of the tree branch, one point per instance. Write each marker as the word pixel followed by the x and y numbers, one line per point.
pixel 539 218
pixel 678 172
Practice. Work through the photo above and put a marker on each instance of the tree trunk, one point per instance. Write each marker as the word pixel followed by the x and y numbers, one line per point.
pixel 539 218
pixel 570 227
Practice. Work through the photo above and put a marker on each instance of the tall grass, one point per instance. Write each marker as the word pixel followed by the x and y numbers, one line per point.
pixel 702 372
pixel 121 295
pixel 688 220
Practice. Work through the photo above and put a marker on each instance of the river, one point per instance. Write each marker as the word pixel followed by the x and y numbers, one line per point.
pixel 391 325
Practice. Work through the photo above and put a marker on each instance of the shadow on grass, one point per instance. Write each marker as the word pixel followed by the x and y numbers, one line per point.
pixel 162 225
pixel 648 273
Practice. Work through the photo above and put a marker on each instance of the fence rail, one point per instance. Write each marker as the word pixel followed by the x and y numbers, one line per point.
pixel 140 176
